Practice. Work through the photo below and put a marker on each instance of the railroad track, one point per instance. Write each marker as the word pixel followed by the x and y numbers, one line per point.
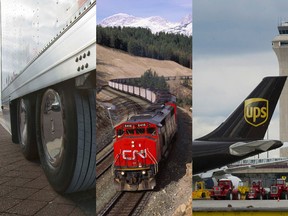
pixel 123 203
pixel 126 105
pixel 126 204
pixel 125 101
pixel 104 163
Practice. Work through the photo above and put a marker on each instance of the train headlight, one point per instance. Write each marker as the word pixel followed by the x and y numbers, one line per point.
pixel 143 172
pixel 122 173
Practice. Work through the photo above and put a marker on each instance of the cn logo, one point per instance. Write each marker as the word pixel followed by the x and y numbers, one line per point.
pixel 256 111
pixel 131 155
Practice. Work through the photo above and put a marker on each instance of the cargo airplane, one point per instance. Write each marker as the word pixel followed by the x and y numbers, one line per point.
pixel 241 134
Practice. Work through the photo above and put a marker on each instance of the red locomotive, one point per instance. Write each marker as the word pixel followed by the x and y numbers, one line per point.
pixel 141 143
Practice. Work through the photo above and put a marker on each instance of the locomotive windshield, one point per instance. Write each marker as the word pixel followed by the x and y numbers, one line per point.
pixel 138 129
pixel 151 130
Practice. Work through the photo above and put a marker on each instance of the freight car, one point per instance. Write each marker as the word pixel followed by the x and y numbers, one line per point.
pixel 141 143
pixel 146 94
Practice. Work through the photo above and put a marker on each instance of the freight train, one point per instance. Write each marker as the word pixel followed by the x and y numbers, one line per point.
pixel 144 140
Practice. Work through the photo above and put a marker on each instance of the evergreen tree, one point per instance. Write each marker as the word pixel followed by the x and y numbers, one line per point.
pixel 150 79
pixel 141 42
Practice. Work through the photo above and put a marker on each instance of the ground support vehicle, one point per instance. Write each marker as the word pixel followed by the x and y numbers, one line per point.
pixel 48 65
pixel 200 192
pixel 243 189
pixel 256 190
pixel 279 190
pixel 225 190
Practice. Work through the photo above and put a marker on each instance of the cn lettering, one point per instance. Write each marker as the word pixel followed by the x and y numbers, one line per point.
pixel 131 155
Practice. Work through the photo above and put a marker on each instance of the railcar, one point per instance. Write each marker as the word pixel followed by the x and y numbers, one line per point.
pixel 141 143
pixel 146 94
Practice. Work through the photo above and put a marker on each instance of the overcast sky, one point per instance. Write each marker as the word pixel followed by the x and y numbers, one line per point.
pixel 232 52
pixel 172 10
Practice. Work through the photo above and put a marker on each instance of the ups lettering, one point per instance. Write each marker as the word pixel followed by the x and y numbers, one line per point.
pixel 256 112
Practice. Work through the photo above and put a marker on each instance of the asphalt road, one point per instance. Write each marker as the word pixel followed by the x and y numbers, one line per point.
pixel 24 189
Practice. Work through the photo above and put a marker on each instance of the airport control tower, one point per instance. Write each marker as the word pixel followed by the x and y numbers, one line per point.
pixel 280 47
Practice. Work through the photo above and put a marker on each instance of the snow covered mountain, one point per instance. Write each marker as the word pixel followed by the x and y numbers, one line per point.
pixel 155 23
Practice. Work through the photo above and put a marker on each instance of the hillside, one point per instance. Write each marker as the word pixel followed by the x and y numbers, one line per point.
pixel 112 63
pixel 173 196
pixel 143 43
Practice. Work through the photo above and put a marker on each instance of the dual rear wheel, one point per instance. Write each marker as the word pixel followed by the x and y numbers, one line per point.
pixel 62 126
pixel 26 128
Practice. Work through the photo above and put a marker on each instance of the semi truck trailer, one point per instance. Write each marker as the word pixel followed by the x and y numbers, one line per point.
pixel 48 78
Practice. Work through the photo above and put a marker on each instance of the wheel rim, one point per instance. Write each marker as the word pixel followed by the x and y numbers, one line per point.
pixel 23 123
pixel 52 128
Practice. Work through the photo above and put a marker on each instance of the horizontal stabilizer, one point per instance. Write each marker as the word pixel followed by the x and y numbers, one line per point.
pixel 241 149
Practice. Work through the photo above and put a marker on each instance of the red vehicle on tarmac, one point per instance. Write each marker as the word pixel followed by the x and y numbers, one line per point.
pixel 256 190
pixel 279 190
pixel 225 190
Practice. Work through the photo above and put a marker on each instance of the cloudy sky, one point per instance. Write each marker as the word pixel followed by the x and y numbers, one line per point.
pixel 172 10
pixel 232 52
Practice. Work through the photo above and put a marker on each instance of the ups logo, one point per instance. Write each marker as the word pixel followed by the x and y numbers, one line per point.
pixel 256 111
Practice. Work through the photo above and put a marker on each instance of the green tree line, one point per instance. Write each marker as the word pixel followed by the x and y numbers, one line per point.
pixel 141 42
pixel 150 79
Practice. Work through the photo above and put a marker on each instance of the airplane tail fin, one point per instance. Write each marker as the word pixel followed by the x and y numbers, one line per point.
pixel 252 117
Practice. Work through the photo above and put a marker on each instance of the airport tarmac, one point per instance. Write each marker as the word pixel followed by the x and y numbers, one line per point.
pixel 24 189
pixel 220 204
pixel 240 207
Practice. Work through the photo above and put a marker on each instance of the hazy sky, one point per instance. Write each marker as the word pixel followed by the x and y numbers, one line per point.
pixel 232 52
pixel 172 10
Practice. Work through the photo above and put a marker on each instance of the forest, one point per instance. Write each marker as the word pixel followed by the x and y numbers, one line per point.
pixel 141 42
pixel 151 80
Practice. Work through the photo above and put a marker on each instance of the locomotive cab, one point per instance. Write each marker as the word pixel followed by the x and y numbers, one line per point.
pixel 136 152
pixel 141 143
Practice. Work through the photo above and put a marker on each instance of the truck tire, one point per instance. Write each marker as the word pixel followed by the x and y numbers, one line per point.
pixel 229 196
pixel 238 196
pixel 26 128
pixel 284 195
pixel 66 137
pixel 261 196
